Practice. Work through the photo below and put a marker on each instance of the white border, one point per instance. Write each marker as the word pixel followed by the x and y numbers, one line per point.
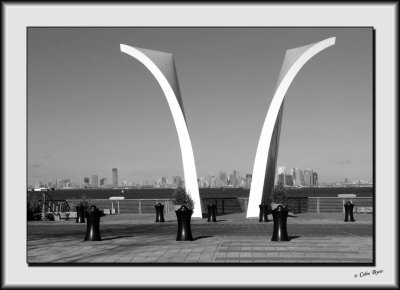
pixel 18 16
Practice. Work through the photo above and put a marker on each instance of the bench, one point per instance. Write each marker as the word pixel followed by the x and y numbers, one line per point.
pixel 364 209
pixel 61 216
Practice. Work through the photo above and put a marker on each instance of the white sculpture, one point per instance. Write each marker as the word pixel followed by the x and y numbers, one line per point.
pixel 267 151
pixel 162 66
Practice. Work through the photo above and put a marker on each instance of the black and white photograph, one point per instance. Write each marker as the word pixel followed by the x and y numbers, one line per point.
pixel 154 147
pixel 103 148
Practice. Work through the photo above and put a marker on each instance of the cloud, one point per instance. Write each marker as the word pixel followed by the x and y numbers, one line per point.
pixel 35 165
pixel 343 161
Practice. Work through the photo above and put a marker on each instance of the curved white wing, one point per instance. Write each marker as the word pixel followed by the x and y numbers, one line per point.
pixel 162 66
pixel 267 150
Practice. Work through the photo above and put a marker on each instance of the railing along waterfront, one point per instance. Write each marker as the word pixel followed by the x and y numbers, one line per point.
pixel 236 204
pixel 323 202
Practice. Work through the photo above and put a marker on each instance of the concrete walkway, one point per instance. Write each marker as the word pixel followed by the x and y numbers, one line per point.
pixel 137 239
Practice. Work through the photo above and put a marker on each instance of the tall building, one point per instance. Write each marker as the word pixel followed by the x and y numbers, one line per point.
pixel 115 177
pixel 178 181
pixel 86 182
pixel 298 176
pixel 308 177
pixel 58 183
pixel 249 176
pixel 162 182
pixel 288 180
pixel 315 178
pixel 281 169
pixel 95 181
pixel 281 179
pixel 213 181
pixel 222 179
pixel 235 178
pixel 66 183
pixel 294 174
pixel 202 182
pixel 103 182
pixel 280 175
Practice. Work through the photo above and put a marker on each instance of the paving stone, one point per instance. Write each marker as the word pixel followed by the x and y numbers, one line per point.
pixel 233 240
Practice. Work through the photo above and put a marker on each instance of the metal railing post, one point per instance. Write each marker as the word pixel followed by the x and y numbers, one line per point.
pixel 299 205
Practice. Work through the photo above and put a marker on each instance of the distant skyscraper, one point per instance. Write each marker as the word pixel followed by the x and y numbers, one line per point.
pixel 248 179
pixel 103 182
pixel 294 174
pixel 162 182
pixel 280 180
pixel 115 177
pixel 288 180
pixel 213 181
pixel 315 178
pixel 86 182
pixel 281 169
pixel 222 178
pixel 67 182
pixel 234 178
pixel 201 182
pixel 95 180
pixel 298 176
pixel 301 177
pixel 58 183
pixel 178 181
pixel 308 177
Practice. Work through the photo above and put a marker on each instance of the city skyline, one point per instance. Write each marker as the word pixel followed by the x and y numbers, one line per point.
pixel 96 110
pixel 290 177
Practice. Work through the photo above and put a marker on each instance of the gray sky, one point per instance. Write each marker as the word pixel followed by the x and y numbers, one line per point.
pixel 92 108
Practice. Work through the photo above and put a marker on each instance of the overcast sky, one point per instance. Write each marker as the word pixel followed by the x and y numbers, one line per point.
pixel 92 108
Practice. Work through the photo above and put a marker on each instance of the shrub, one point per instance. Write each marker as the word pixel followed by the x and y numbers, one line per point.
pixel 279 195
pixel 86 203
pixel 34 211
pixel 181 197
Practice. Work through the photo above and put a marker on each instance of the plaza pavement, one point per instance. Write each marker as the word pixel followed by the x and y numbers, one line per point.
pixel 136 239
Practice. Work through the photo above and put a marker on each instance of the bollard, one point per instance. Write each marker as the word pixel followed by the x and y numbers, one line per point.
pixel 263 212
pixel 211 212
pixel 280 217
pixel 348 207
pixel 93 224
pixel 184 232
pixel 80 214
pixel 159 213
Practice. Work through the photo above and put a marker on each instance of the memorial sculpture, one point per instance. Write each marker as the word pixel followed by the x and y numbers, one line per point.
pixel 263 177
pixel 162 66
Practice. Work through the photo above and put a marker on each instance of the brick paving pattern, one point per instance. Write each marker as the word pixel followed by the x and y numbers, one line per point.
pixel 137 239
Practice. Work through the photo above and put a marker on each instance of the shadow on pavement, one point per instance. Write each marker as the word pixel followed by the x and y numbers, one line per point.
pixel 113 238
pixel 293 237
pixel 201 237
